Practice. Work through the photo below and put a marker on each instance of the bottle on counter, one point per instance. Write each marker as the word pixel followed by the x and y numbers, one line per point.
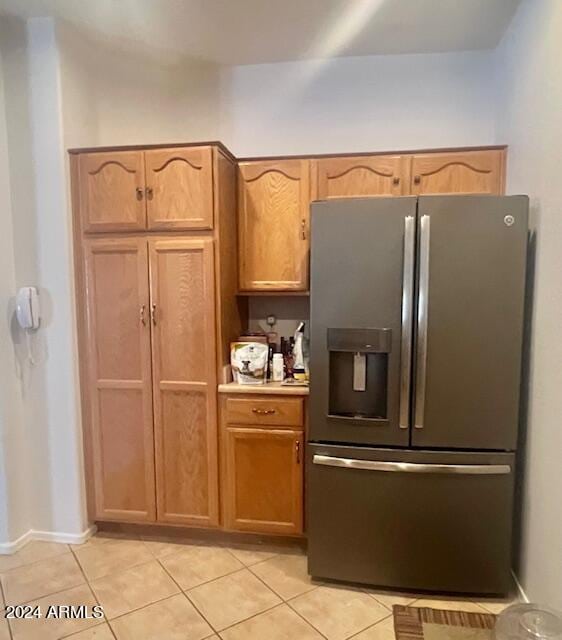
pixel 278 367
pixel 299 367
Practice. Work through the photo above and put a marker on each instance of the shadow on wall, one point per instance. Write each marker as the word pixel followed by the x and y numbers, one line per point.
pixel 524 397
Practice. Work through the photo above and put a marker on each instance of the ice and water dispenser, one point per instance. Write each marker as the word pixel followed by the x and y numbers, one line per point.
pixel 358 373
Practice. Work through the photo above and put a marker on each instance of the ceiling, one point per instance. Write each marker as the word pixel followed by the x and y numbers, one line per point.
pixel 236 32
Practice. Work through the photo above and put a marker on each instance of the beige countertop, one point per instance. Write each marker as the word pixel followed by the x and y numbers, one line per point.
pixel 269 388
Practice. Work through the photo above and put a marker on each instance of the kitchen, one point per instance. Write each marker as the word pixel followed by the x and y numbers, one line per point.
pixel 392 283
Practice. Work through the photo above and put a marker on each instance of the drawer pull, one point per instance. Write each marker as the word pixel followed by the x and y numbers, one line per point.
pixel 263 412
pixel 298 451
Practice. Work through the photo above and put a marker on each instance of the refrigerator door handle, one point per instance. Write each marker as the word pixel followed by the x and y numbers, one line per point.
pixel 421 356
pixel 413 467
pixel 406 338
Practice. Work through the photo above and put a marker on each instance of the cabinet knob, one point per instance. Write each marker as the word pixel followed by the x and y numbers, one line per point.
pixel 139 192
pixel 149 193
pixel 153 314
pixel 142 316
pixel 298 451
pixel 303 229
pixel 396 180
pixel 417 179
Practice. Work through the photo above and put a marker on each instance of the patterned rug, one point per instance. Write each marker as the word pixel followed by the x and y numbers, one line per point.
pixel 423 623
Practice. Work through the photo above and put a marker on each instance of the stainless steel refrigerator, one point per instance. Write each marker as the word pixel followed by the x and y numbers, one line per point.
pixel 415 354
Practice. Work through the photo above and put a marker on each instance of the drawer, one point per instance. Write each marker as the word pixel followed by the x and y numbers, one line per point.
pixel 265 411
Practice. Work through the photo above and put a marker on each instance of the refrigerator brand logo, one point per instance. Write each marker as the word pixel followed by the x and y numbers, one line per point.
pixel 509 220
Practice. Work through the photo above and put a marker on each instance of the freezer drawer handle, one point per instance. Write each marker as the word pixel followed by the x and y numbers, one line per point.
pixel 413 467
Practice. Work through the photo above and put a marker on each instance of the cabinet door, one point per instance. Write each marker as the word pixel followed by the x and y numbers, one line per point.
pixel 274 200
pixel 112 191
pixel 263 479
pixel 183 351
pixel 362 176
pixel 179 188
pixel 119 378
pixel 458 172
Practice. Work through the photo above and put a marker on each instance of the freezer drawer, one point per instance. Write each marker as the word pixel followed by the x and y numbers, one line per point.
pixel 438 521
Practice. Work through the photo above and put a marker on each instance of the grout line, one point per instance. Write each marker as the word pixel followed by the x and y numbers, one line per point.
pixel 312 586
pixel 28 564
pixel 370 627
pixel 52 593
pixel 389 607
pixel 266 585
pixel 75 633
pixel 144 606
pixel 105 619
pixel 378 601
pixel 119 570
pixel 230 573
pixel 303 618
pixel 277 604
pixel 184 593
pixel 254 615
pixel 3 596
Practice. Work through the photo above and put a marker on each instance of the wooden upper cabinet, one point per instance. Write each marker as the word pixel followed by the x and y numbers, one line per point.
pixel 184 380
pixel 263 489
pixel 119 378
pixel 384 175
pixel 179 188
pixel 274 200
pixel 458 172
pixel 112 191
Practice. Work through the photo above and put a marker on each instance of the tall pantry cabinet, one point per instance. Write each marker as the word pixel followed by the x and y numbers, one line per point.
pixel 156 264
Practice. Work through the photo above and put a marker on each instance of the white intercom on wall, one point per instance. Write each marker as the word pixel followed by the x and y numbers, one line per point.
pixel 27 308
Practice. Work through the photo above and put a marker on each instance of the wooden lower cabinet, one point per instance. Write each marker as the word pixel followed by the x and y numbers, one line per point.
pixel 263 480
pixel 262 456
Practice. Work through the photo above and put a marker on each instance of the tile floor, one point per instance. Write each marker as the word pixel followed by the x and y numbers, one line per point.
pixel 154 590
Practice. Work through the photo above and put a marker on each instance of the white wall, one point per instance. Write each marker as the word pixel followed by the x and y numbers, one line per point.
pixel 530 120
pixel 126 99
pixel 14 485
pixel 359 104
pixel 43 450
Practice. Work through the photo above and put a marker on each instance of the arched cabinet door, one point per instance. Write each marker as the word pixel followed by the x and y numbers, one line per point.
pixel 459 172
pixel 179 188
pixel 112 191
pixel 356 176
pixel 274 200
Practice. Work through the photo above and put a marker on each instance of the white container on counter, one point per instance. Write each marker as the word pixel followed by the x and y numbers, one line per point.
pixel 278 373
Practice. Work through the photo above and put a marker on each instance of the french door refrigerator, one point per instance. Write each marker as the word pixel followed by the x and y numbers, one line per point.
pixel 415 352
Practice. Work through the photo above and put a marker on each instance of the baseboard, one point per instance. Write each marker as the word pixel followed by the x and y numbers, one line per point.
pixel 522 595
pixel 65 538
pixel 7 548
